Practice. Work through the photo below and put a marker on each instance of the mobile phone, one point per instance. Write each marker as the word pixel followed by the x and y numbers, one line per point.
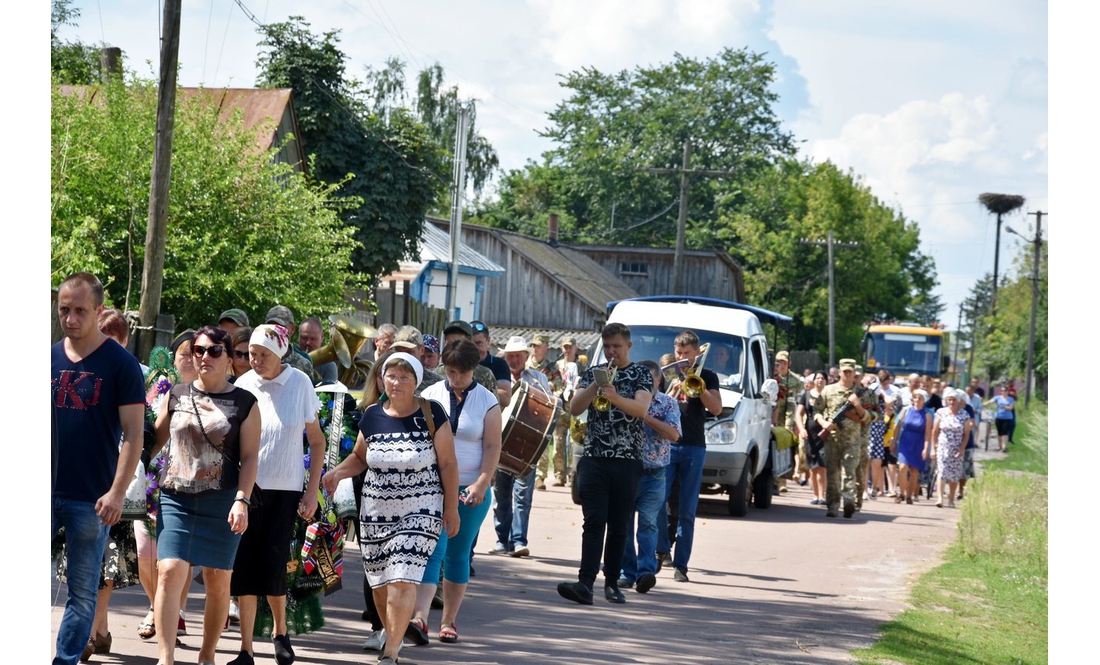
pixel 464 495
pixel 599 375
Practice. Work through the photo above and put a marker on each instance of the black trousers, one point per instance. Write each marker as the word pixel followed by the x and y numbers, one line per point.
pixel 607 488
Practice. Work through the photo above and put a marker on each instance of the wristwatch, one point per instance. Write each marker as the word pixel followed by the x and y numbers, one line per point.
pixel 243 499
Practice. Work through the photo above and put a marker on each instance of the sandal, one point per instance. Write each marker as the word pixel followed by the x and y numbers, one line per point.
pixel 147 629
pixel 417 632
pixel 447 633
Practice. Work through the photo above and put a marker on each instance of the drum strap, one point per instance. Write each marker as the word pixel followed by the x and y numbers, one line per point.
pixel 426 409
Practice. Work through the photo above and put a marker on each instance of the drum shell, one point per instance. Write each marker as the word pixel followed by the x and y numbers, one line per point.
pixel 529 422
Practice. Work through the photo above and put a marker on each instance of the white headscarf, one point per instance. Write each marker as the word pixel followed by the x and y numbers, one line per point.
pixel 418 368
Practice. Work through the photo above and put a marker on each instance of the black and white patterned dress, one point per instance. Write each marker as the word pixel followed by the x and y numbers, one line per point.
pixel 402 509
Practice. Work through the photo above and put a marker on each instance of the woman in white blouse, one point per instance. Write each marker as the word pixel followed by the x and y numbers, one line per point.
pixel 288 406
pixel 475 417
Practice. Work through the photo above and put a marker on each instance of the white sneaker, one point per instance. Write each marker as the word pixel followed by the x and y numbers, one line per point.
pixel 234 612
pixel 375 640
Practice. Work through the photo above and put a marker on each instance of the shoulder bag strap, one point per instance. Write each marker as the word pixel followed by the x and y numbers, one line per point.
pixel 191 391
pixel 426 409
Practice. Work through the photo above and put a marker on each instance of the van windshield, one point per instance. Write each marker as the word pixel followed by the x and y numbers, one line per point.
pixel 726 356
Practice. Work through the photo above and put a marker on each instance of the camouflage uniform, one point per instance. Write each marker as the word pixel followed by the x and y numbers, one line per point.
pixel 841 450
pixel 789 387
pixel 485 377
pixel 553 375
pixel 869 400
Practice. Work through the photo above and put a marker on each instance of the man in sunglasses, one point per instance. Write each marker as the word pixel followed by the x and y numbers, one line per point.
pixel 499 367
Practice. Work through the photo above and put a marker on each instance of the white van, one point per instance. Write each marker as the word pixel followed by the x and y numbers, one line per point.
pixel 742 457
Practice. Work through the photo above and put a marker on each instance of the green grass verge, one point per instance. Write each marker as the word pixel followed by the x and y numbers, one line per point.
pixel 988 602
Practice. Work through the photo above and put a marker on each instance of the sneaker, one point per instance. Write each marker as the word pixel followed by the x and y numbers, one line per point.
pixel 613 595
pixel 499 548
pixel 521 551
pixel 645 582
pixel 681 575
pixel 376 639
pixel 625 583
pixel 284 653
pixel 234 612
pixel 540 484
pixel 664 559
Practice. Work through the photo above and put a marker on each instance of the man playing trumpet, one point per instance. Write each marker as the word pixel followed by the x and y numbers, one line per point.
pixel 611 468
pixel 686 461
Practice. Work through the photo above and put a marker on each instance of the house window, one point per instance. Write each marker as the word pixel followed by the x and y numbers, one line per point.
pixel 638 268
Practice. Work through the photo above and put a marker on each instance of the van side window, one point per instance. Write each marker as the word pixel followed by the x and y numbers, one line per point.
pixel 759 363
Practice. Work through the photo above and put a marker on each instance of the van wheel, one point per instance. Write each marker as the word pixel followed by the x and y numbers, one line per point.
pixel 738 505
pixel 762 488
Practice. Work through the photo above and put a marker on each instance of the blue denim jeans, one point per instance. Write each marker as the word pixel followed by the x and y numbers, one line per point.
pixel 508 493
pixel 650 502
pixel 685 463
pixel 85 539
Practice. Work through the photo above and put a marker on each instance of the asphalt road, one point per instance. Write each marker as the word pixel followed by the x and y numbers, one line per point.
pixel 783 585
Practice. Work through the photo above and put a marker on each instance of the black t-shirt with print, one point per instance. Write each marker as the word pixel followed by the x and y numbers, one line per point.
pixel 693 414
pixel 614 433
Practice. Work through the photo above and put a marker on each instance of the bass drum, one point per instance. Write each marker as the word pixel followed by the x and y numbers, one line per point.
pixel 529 422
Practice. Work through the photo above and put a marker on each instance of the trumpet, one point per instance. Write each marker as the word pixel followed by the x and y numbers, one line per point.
pixel 601 402
pixel 693 384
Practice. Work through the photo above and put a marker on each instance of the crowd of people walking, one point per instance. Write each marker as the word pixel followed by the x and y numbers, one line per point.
pixel 234 448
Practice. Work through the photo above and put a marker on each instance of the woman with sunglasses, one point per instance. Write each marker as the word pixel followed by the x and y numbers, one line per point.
pixel 288 406
pixel 240 364
pixel 213 433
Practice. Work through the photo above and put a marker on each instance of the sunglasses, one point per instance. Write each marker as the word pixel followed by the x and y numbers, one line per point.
pixel 478 325
pixel 215 351
pixel 239 355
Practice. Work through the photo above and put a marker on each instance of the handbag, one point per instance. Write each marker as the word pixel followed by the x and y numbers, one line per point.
pixel 133 504
pixel 256 499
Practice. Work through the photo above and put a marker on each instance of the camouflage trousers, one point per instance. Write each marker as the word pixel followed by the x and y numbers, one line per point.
pixel 862 469
pixel 841 464
pixel 561 442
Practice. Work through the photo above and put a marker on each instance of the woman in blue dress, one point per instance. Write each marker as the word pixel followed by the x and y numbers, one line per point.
pixel 913 440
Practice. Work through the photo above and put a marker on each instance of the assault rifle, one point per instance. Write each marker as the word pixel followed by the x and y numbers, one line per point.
pixel 846 410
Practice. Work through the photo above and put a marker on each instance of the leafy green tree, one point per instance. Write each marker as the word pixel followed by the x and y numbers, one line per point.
pixel 393 163
pixel 764 222
pixel 243 230
pixel 613 125
pixel 71 62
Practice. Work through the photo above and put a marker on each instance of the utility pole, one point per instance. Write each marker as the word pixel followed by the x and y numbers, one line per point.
pixel 830 242
pixel 955 356
pixel 457 197
pixel 1031 333
pixel 685 172
pixel 152 275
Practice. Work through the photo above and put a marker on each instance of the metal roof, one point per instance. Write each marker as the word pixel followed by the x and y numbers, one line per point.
pixel 435 245
pixel 573 269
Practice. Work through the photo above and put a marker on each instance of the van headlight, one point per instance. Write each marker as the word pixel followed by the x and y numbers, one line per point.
pixel 723 431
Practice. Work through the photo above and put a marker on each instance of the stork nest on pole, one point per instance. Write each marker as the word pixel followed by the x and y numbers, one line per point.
pixel 1000 204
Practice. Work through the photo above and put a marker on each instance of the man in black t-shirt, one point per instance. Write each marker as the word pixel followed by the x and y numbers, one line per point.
pixel 500 368
pixel 97 399
pixel 609 471
pixel 688 454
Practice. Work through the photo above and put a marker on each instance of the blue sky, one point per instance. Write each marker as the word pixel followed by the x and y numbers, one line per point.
pixel 930 103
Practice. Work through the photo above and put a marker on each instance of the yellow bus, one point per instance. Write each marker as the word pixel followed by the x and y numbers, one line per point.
pixel 904 348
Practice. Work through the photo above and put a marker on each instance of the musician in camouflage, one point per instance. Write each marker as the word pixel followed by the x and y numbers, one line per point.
pixel 842 440
pixel 538 361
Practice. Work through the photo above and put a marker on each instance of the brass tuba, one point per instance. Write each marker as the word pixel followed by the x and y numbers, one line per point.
pixel 693 384
pixel 601 402
pixel 346 338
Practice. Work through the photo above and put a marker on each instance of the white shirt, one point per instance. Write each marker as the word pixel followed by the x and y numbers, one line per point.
pixel 287 403
pixel 471 426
